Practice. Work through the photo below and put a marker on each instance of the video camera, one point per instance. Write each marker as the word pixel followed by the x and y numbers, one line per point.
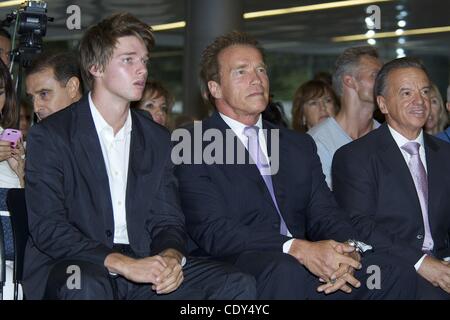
pixel 31 25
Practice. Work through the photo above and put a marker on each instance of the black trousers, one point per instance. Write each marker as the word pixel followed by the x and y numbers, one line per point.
pixel 203 279
pixel 426 291
pixel 280 276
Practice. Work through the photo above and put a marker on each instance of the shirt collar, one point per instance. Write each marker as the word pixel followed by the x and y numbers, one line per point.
pixel 237 126
pixel 101 124
pixel 401 140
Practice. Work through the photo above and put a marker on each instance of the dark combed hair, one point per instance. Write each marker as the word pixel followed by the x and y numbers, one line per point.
pixel 99 41
pixel 9 113
pixel 209 65
pixel 400 63
pixel 65 65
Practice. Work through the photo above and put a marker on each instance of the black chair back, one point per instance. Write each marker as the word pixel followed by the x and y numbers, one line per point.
pixel 2 262
pixel 15 200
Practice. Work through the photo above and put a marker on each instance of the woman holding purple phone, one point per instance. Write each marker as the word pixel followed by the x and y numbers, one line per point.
pixel 12 164
pixel 11 149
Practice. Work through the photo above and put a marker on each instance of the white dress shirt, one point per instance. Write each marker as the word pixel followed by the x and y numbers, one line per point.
pixel 238 129
pixel 400 141
pixel 116 154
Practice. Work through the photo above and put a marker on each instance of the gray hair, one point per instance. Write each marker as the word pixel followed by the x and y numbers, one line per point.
pixel 347 62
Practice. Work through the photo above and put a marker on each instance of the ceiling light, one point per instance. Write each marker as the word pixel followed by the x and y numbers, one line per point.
pixel 313 7
pixel 169 26
pixel 275 12
pixel 10 3
pixel 369 23
pixel 401 40
pixel 370 33
pixel 372 42
pixel 401 23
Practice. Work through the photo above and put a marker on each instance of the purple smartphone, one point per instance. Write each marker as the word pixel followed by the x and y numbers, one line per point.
pixel 11 135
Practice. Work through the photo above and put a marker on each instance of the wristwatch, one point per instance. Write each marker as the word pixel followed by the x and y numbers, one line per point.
pixel 359 246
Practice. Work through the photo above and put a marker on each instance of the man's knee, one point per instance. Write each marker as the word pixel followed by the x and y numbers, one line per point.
pixel 242 285
pixel 78 280
pixel 285 266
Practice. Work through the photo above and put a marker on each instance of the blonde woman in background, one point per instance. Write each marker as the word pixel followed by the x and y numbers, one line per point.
pixel 438 116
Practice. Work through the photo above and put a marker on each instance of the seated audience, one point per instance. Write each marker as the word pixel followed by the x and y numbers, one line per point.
pixel 101 195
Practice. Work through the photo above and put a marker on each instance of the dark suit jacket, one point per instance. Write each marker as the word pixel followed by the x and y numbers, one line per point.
pixel 228 207
pixel 373 184
pixel 68 197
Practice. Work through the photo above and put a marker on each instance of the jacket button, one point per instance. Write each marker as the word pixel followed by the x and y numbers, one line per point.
pixel 419 237
pixel 108 233
pixel 276 226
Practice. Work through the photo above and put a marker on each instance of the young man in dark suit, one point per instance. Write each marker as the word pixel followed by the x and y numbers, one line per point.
pixel 104 216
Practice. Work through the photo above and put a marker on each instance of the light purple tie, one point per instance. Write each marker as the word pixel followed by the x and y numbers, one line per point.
pixel 264 168
pixel 421 182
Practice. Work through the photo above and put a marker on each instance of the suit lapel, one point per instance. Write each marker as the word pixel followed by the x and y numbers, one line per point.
pixel 434 174
pixel 89 156
pixel 140 162
pixel 247 171
pixel 394 163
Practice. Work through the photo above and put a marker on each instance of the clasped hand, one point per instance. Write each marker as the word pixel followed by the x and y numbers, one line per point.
pixel 329 260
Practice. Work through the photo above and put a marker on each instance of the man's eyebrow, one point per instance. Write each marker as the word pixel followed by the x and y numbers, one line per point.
pixel 127 53
pixel 42 89
pixel 240 65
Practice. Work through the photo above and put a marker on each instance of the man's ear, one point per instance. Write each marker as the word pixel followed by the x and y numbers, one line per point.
pixel 349 81
pixel 73 87
pixel 214 89
pixel 382 104
pixel 96 71
pixel 448 106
